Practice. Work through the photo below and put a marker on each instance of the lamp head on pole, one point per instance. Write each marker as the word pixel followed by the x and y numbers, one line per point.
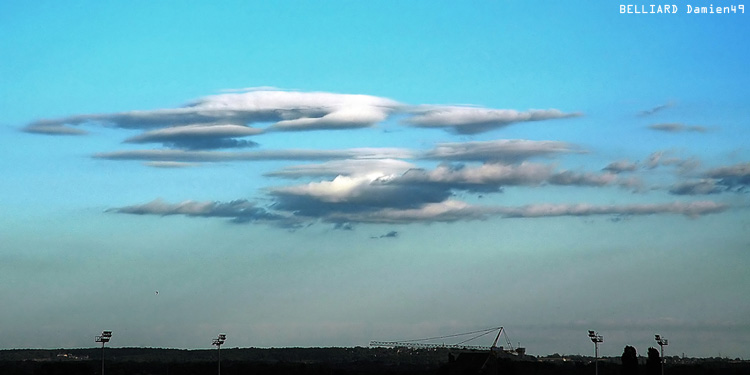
pixel 220 339
pixel 661 340
pixel 105 337
pixel 595 337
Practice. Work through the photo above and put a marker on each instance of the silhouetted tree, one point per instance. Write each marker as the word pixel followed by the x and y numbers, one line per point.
pixel 653 363
pixel 629 361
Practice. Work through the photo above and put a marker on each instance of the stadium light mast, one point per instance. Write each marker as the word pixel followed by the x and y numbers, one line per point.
pixel 104 338
pixel 662 343
pixel 596 339
pixel 218 342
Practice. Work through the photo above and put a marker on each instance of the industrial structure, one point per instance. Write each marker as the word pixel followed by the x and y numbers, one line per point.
pixel 463 345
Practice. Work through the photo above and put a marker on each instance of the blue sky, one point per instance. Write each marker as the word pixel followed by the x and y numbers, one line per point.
pixel 326 174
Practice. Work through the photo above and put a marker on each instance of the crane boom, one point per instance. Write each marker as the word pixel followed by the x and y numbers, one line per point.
pixel 494 343
pixel 416 344
pixel 420 345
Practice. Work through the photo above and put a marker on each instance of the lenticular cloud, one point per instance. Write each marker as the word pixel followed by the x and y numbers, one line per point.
pixel 473 120
pixel 285 110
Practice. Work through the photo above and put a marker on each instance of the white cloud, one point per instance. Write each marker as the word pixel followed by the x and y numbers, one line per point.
pixel 353 167
pixel 343 118
pixel 473 120
pixel 290 110
pixel 360 193
pixel 340 189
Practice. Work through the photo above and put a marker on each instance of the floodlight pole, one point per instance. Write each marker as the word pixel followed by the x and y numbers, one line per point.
pixel 104 338
pixel 102 357
pixel 218 341
pixel 596 339
pixel 662 342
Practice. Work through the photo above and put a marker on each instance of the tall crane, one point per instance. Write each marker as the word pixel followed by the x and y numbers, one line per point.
pixel 420 344
pixel 507 340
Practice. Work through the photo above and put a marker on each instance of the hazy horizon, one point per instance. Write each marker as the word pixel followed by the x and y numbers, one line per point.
pixel 302 174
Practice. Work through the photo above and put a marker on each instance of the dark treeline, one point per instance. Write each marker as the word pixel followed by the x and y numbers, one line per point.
pixel 332 361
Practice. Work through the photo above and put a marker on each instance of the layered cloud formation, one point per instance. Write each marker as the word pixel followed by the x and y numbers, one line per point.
pixel 216 121
pixel 289 111
pixel 351 186
pixel 733 178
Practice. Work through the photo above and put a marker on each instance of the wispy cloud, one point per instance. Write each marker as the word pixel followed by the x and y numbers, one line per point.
pixel 199 136
pixel 492 177
pixel 690 209
pixel 444 211
pixel 677 128
pixel 391 234
pixel 621 166
pixel 485 178
pixel 699 187
pixel 665 158
pixel 170 164
pixel 224 156
pixel 240 211
pixel 504 150
pixel 656 109
pixel 53 129
pixel 582 179
pixel 473 120
pixel 351 167
pixel 452 211
pixel 734 177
